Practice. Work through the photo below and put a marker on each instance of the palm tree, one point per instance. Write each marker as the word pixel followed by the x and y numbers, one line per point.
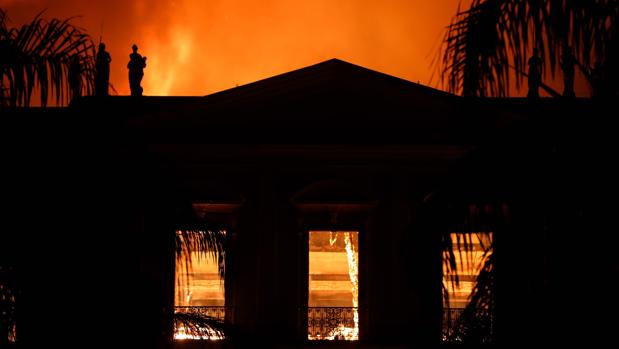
pixel 52 57
pixel 493 37
pixel 488 44
pixel 208 244
pixel 474 323
pixel 466 225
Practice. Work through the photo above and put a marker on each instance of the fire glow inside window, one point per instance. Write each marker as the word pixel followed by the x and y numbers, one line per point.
pixel 468 288
pixel 199 291
pixel 333 285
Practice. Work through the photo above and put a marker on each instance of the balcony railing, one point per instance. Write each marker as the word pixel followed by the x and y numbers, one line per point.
pixel 332 323
pixel 450 319
pixel 481 326
pixel 221 313
pixel 218 312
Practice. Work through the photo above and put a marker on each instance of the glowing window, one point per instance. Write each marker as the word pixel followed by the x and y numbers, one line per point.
pixel 333 285
pixel 199 301
pixel 468 287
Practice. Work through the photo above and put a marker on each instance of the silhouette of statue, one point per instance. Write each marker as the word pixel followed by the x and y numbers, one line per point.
pixel 74 77
pixel 535 74
pixel 102 72
pixel 136 66
pixel 568 61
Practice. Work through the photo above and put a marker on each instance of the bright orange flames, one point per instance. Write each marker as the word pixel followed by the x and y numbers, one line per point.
pixel 353 274
pixel 197 47
pixel 181 333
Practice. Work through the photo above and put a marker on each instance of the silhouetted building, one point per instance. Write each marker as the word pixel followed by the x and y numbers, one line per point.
pixel 338 189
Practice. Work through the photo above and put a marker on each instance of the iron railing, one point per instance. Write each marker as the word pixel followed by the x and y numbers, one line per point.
pixel 457 329
pixel 218 312
pixel 221 314
pixel 450 319
pixel 332 323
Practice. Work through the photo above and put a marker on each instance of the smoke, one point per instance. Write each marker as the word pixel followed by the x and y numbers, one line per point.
pixel 197 47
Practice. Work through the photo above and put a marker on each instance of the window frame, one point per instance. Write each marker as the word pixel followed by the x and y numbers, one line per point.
pixel 222 216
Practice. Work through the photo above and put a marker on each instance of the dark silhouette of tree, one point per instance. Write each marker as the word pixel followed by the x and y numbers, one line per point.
pixel 41 56
pixel 568 67
pixel 75 78
pixel 208 244
pixel 485 42
pixel 200 326
pixel 474 325
pixel 494 40
pixel 535 74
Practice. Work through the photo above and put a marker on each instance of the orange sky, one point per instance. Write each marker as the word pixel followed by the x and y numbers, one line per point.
pixel 197 47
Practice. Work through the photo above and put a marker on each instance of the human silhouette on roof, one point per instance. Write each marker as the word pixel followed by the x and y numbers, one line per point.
pixel 535 74
pixel 136 66
pixel 74 77
pixel 102 71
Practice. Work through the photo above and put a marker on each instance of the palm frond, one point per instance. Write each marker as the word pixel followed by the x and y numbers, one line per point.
pixel 474 50
pixel 37 57
pixel 482 42
pixel 207 244
pixel 475 324
pixel 198 326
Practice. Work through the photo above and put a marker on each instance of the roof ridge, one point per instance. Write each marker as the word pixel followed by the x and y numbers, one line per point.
pixel 311 70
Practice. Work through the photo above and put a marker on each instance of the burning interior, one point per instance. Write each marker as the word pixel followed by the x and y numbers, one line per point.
pixel 199 297
pixel 333 285
pixel 468 286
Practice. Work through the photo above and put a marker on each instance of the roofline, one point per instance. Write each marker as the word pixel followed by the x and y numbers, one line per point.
pixel 312 67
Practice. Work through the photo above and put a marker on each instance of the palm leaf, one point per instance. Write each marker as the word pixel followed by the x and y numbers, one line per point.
pixel 199 326
pixel 36 58
pixel 208 244
pixel 475 324
pixel 482 42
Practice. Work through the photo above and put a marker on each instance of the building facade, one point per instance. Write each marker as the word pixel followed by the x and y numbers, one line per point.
pixel 331 166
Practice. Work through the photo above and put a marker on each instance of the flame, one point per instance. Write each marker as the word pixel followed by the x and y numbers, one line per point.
pixel 341 331
pixel 353 273
pixel 181 333
pixel 332 238
pixel 12 334
pixel 197 47
pixel 170 70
